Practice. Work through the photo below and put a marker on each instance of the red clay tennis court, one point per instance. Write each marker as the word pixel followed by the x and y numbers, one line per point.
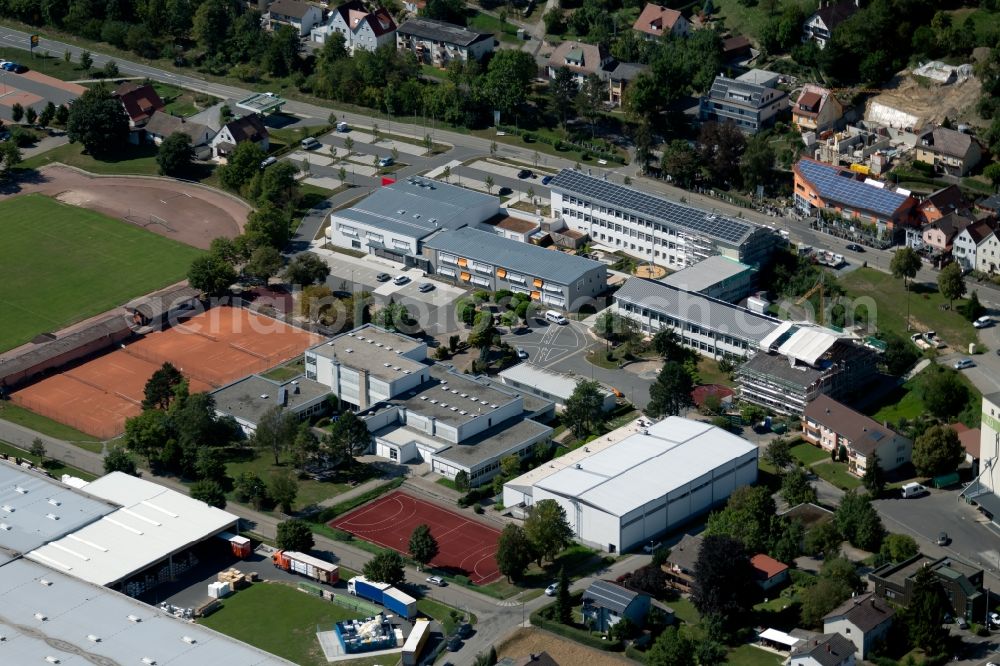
pixel 212 349
pixel 465 547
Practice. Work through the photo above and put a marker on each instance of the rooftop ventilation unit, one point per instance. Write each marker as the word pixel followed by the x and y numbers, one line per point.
pixel 493 406
pixel 444 404
pixel 263 396
pixel 397 368
pixel 20 490
pixel 454 391
pixel 348 351
pixel 388 348
pixel 406 372
pixel 93 639
pixel 454 409
pixel 350 335
pixel 444 381
pixel 416 216
pixel 134 618
pixel 386 365
pixel 361 337
pixel 433 401
pixel 8 508
pixel 463 412
pixel 45 582
pixel 190 640
pixel 41 617
pixel 149 661
pixel 379 345
pixel 52 660
pixel 401 212
pixel 54 502
pixel 465 395
pixel 5 527
pixel 483 402
pixel 423 397
pixel 52 516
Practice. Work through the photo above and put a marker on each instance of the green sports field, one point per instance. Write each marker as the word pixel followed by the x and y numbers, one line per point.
pixel 60 264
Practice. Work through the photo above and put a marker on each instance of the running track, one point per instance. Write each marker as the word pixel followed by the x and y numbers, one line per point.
pixel 465 547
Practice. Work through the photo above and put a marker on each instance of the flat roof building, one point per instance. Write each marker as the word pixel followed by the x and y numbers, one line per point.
pixel 548 384
pixel 717 276
pixel 648 483
pixel 487 261
pixel 248 399
pixel 395 220
pixel 654 229
pixel 751 106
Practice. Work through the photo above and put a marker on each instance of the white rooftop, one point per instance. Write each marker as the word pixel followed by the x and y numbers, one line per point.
pixel 647 465
pixel 153 523
pixel 48 617
pixel 706 273
pixel 553 383
pixel 808 344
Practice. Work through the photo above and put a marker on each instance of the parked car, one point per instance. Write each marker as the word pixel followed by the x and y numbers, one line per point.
pixel 546 180
pixel 454 644
pixel 386 161
pixel 943 539
pixel 524 173
pixel 400 279
pixel 310 143
pixel 995 619
pixel 854 247
pixel 425 287
pixel 436 580
pixel 551 590
pixel 18 68
pixel 464 630
pixel 962 624
pixel 964 363
pixel 383 277
pixel 9 66
pixel 650 547
pixel 983 322
pixel 268 161
pixel 521 354
pixel 343 127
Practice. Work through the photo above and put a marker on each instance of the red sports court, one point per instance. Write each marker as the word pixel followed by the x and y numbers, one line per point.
pixel 465 547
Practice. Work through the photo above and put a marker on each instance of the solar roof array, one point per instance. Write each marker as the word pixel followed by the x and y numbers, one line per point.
pixel 726 229
pixel 841 186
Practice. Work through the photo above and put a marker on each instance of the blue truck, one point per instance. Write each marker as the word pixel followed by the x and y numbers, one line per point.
pixel 393 599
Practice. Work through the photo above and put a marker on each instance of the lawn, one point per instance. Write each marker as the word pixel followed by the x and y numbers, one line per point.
pixel 55 467
pixel 279 619
pixel 505 32
pixel 53 66
pixel 288 371
pixel 442 614
pixel 807 454
pixel 708 371
pixel 134 160
pixel 310 492
pixel 748 20
pixel 60 264
pixel 685 610
pixel 179 102
pixel 907 402
pixel 43 424
pixel 837 474
pixel 926 313
pixel 748 655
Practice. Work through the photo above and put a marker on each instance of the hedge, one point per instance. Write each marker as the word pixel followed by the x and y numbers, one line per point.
pixel 539 619
pixel 562 144
pixel 331 512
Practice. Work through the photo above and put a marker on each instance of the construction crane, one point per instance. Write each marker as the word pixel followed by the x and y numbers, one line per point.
pixel 805 297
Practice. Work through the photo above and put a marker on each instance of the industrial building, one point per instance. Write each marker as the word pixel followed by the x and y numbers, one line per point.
pixel 640 481
pixel 471 257
pixel 717 277
pixel 548 384
pixel 248 399
pixel 710 326
pixel 395 220
pixel 985 490
pixel 799 362
pixel 654 229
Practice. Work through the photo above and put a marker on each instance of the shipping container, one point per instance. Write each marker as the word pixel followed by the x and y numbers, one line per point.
pixel 307 565
pixel 399 603
pixel 366 589
pixel 415 642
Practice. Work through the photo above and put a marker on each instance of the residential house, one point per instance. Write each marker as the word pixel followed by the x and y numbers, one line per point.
pixel 361 29
pixel 970 438
pixel 656 21
pixel 823 650
pixel 990 204
pixel 768 572
pixel 848 195
pixel 816 110
pixel 619 75
pixel 829 425
pixel 941 202
pixel 579 58
pixel 300 16
pixel 949 151
pixel 962 583
pixel 820 26
pixel 412 7
pixel 736 49
pixel 966 245
pixel 247 128
pixel 139 101
pixel 988 253
pixel 605 604
pixel 940 236
pixel 682 562
pixel 161 125
pixel 751 106
pixel 864 620
pixel 439 43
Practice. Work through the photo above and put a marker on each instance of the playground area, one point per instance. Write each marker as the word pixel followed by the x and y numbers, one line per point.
pixel 465 547
pixel 211 349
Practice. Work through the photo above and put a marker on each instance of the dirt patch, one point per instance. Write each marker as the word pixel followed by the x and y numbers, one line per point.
pixel 523 642
pixel 185 212
pixel 932 102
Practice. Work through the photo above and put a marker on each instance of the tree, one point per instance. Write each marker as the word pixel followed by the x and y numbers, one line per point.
pixel 392 316
pixel 62 115
pixel 47 115
pixel 175 154
pixel 651 579
pixel 898 548
pixel 351 434
pixel 514 552
pixel 486 658
pixel 159 389
pixel 385 567
pixel 924 614
pixel 146 433
pixel 874 478
pixel 97 120
pixel 38 450
pixel 945 395
pixel 283 488
pixel 251 488
pixel 900 355
pixel 671 392
pixel 210 463
pixel 342 175
pixel 295 534
pixel 86 61
pixel 723 580
pixel 277 185
pixel 778 454
pixel 462 481
pixel 17 112
pixel 209 492
pixel 119 460
pixel 547 529
pixel 349 145
pixel 508 79
pixel 590 99
pixel 31 115
pixel 796 489
pixel 992 173
pixel 275 432
pixel 680 161
pixel 110 70
pixel 905 264
pixel 951 284
pixel 672 648
pixel 306 269
pixel 819 599
pixel 304 445
pixel 212 25
pixel 211 275
pixel 748 518
pixel 584 408
pixel 824 539
pixel 562 90
pixel 241 166
pixel 938 451
pixel 972 311
pixel 858 521
pixel 786 544
pixel 10 156
pixel 264 262
pixel 564 607
pixel 488 182
pixel 423 545
pixel 756 162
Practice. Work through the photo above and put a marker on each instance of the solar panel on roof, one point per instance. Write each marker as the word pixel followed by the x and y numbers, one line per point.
pixel 831 183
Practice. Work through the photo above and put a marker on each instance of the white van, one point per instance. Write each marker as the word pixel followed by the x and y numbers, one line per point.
pixel 555 317
pixel 912 490
pixel 343 127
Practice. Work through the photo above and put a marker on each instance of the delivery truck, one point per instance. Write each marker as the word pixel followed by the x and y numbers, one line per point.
pixel 415 642
pixel 394 600
pixel 306 565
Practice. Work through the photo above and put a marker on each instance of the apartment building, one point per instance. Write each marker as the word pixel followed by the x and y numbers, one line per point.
pixel 439 43
pixel 751 106
pixel 962 583
pixel 362 29
pixel 830 425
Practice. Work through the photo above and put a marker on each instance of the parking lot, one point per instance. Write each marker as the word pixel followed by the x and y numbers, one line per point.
pixel 34 90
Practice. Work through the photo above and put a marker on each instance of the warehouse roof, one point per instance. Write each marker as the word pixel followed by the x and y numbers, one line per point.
pixel 36 509
pixel 532 260
pixel 154 523
pixel 726 229
pixel 49 616
pixel 547 381
pixel 706 274
pixel 249 398
pixel 418 207
pixel 648 465
pixel 705 311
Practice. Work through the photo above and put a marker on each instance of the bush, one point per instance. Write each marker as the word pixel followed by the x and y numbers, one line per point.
pixel 323 422
pixel 542 618
pixel 478 508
